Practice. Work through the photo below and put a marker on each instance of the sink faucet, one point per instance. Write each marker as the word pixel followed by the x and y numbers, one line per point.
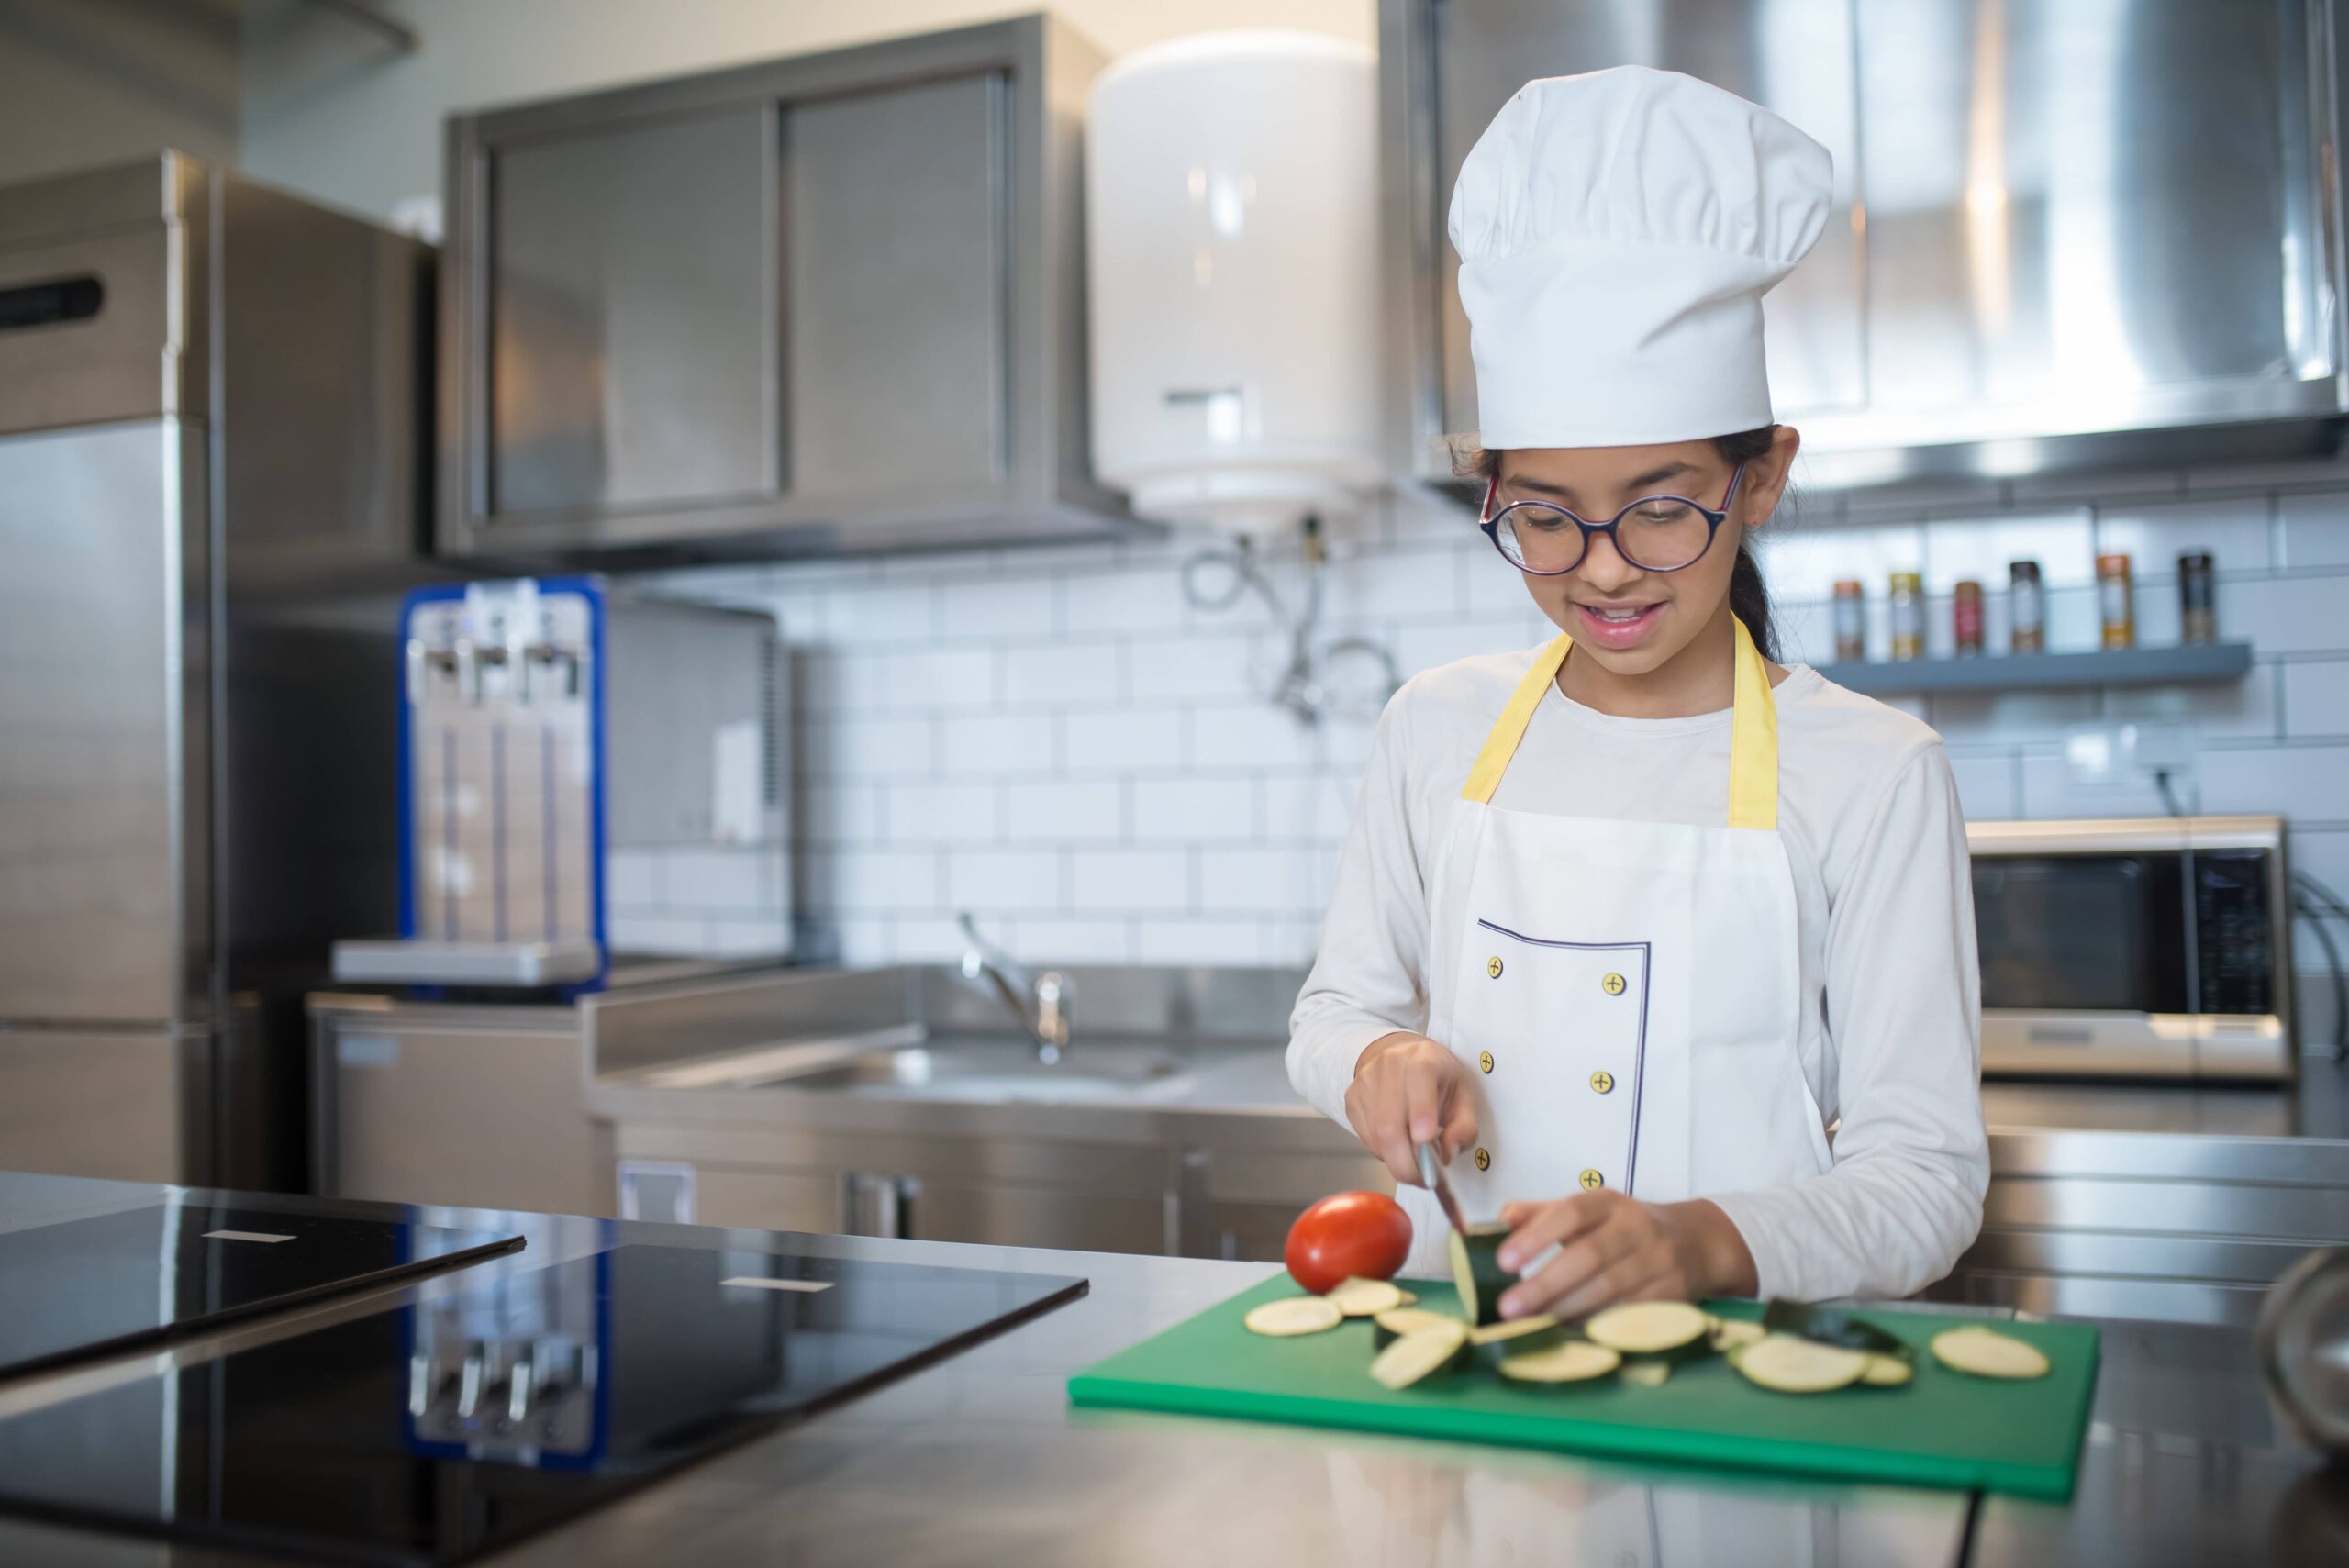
pixel 1050 993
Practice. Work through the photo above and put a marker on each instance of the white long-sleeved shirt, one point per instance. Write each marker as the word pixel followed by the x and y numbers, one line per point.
pixel 1890 984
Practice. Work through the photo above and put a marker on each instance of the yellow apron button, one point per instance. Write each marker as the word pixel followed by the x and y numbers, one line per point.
pixel 1592 1180
pixel 1493 967
pixel 1602 1082
pixel 1483 1159
pixel 1484 1060
pixel 1612 985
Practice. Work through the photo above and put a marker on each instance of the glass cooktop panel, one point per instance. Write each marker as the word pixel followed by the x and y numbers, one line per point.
pixel 85 1288
pixel 436 1431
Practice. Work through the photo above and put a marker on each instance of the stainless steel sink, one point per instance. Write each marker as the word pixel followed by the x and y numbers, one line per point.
pixel 999 1071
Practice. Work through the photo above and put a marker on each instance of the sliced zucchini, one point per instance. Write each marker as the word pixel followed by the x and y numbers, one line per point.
pixel 1571 1360
pixel 1502 1333
pixel 1648 1372
pixel 1477 1274
pixel 1984 1352
pixel 1886 1371
pixel 1293 1315
pixel 1366 1297
pixel 1794 1366
pixel 1830 1326
pixel 1440 1347
pixel 1392 1325
pixel 1648 1327
pixel 1728 1333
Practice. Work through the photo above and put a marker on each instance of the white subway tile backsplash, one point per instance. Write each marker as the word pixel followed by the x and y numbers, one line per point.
pixel 870 881
pixel 1005 882
pixel 2315 529
pixel 1089 811
pixel 2324 854
pixel 711 880
pixel 1987 788
pixel 1098 939
pixel 2233 532
pixel 2288 615
pixel 1194 810
pixel 923 813
pixel 632 877
pixel 1021 606
pixel 1202 941
pixel 658 936
pixel 2305 784
pixel 955 679
pixel 1211 666
pixel 1063 674
pixel 996 744
pixel 1140 880
pixel 1985 549
pixel 867 746
pixel 931 938
pixel 1057 740
pixel 1252 735
pixel 756 938
pixel 2316 697
pixel 1121 742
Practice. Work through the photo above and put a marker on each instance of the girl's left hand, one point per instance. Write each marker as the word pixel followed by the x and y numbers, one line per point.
pixel 1614 1248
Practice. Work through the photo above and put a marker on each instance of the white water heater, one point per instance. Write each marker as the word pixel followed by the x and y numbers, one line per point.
pixel 1231 199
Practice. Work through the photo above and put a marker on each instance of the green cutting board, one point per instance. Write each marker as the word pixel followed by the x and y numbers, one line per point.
pixel 1943 1429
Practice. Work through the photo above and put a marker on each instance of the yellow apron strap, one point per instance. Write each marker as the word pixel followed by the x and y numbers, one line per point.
pixel 1753 736
pixel 1752 741
pixel 1501 744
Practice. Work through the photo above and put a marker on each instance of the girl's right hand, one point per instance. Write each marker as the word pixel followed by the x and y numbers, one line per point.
pixel 1408 1090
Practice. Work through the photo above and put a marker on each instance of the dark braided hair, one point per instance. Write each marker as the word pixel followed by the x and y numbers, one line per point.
pixel 1749 597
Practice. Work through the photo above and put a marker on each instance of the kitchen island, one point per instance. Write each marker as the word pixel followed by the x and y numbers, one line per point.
pixel 980 1459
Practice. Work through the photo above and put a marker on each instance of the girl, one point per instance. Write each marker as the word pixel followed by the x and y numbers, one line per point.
pixel 1626 925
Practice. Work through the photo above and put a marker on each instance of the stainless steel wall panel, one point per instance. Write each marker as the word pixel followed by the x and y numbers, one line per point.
pixel 99 1103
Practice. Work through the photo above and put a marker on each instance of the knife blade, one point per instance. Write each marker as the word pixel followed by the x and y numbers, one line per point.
pixel 1431 1173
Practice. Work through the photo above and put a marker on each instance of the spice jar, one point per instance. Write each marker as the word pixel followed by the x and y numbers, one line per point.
pixel 1965 616
pixel 2198 611
pixel 1908 616
pixel 2116 599
pixel 2026 608
pixel 1851 622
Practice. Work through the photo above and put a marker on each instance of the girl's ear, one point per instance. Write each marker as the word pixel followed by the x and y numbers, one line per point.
pixel 1765 476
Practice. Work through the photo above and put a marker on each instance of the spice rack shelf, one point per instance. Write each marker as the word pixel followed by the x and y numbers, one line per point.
pixel 2186 664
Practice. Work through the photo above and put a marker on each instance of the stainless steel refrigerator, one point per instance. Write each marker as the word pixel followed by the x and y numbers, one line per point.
pixel 211 400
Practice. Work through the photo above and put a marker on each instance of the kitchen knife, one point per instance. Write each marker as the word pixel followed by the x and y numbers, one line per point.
pixel 1431 1173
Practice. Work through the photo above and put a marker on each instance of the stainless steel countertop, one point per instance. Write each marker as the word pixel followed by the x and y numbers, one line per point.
pixel 980 1460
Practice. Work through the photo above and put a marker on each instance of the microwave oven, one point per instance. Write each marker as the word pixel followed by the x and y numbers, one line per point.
pixel 2140 948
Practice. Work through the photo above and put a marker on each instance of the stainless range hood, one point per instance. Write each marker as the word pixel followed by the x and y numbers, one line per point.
pixel 2068 234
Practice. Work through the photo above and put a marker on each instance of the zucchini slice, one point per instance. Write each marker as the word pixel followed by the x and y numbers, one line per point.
pixel 1886 1372
pixel 1440 1347
pixel 1647 1372
pixel 1984 1352
pixel 1728 1333
pixel 1571 1360
pixel 1830 1326
pixel 1366 1297
pixel 1293 1315
pixel 1648 1327
pixel 1513 1329
pixel 1477 1274
pixel 1392 1325
pixel 1790 1364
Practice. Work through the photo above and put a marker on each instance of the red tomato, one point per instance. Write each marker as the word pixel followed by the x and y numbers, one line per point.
pixel 1349 1236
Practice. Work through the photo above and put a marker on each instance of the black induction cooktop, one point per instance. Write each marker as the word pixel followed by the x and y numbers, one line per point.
pixel 434 1432
pixel 86 1288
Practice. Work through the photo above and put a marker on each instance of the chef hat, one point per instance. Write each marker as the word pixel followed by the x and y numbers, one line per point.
pixel 1617 232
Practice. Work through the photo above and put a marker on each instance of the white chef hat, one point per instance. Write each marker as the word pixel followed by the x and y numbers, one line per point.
pixel 1616 231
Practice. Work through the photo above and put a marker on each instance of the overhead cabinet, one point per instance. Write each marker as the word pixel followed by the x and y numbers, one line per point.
pixel 2063 235
pixel 833 303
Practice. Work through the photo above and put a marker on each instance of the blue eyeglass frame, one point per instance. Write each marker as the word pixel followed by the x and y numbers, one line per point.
pixel 1714 517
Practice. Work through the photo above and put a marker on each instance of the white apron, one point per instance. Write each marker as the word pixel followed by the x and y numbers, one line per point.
pixel 1625 995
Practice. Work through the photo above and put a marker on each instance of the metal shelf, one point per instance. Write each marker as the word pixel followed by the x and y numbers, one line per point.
pixel 2197 662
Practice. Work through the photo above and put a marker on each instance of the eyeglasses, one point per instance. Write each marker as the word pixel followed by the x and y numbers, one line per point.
pixel 1656 533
